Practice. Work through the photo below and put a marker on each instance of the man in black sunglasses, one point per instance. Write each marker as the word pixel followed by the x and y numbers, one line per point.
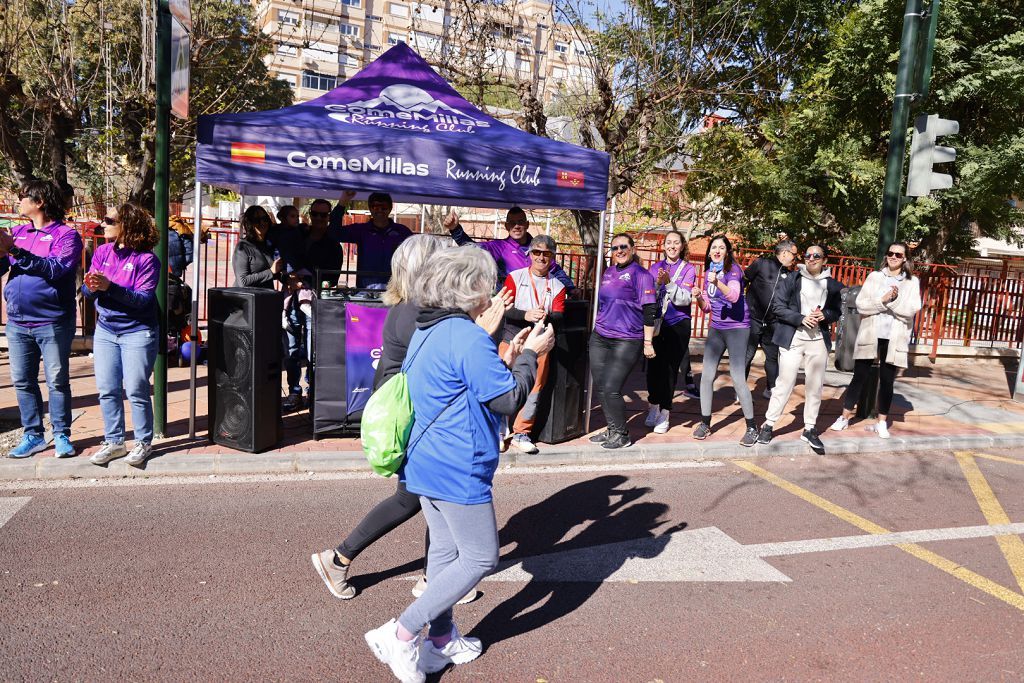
pixel 805 306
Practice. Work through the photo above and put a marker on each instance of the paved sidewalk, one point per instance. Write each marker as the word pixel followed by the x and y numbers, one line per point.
pixel 963 404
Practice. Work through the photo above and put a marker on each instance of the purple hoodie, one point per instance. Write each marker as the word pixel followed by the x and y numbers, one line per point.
pixel 728 311
pixel 510 256
pixel 41 288
pixel 129 304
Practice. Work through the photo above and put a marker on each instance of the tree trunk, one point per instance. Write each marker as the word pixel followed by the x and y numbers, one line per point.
pixel 588 223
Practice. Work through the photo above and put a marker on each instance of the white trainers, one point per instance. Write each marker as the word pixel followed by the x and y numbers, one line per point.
pixel 653 412
pixel 421 587
pixel 840 424
pixel 882 430
pixel 140 454
pixel 661 426
pixel 402 657
pixel 523 443
pixel 108 452
pixel 459 650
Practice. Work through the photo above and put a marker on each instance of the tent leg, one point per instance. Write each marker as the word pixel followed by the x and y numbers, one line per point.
pixel 599 272
pixel 423 218
pixel 197 230
pixel 547 224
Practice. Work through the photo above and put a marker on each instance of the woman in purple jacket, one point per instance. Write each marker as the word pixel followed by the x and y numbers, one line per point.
pixel 122 283
pixel 722 296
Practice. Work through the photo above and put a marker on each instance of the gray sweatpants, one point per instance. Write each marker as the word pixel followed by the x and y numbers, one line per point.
pixel 714 347
pixel 463 550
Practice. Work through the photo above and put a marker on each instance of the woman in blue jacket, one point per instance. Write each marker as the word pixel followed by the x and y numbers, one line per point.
pixel 459 388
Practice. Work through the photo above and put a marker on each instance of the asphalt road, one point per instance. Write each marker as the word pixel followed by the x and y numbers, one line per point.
pixel 886 567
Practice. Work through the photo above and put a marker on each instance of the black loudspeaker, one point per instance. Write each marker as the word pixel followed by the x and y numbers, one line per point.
pixel 244 379
pixel 563 401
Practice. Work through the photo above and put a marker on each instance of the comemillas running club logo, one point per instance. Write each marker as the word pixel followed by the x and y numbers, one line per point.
pixel 406 107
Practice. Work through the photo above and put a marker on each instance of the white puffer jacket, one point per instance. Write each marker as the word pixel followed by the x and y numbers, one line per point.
pixel 903 309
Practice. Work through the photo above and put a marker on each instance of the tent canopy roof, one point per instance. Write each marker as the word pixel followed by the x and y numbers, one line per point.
pixel 397 127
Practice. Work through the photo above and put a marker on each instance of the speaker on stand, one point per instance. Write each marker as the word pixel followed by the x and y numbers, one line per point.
pixel 244 380
pixel 562 402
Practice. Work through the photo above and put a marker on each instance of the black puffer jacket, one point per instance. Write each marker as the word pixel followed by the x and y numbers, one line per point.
pixel 765 277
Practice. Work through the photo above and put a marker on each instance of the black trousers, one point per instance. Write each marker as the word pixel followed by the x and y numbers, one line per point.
pixel 611 361
pixel 387 515
pixel 761 335
pixel 672 349
pixel 886 380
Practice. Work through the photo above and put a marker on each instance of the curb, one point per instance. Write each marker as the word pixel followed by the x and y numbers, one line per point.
pixel 305 462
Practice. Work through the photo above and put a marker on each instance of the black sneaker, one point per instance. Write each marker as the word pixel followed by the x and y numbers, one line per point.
pixel 749 437
pixel 810 436
pixel 618 440
pixel 600 437
pixel 702 431
pixel 692 391
pixel 765 435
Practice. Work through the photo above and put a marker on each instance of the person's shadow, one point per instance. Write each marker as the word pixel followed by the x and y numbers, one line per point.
pixel 614 516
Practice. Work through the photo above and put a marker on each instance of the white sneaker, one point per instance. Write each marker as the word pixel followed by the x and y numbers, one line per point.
pixel 402 657
pixel 840 424
pixel 523 443
pixel 653 413
pixel 108 452
pixel 421 587
pixel 140 454
pixel 882 430
pixel 661 426
pixel 459 650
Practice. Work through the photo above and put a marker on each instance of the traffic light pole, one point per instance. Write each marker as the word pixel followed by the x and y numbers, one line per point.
pixel 161 205
pixel 905 73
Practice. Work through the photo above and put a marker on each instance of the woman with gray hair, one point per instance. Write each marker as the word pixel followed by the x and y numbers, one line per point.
pixel 459 388
pixel 407 266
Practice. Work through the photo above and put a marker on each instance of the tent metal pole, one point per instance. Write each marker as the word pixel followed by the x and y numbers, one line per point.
pixel 598 273
pixel 423 218
pixel 547 224
pixel 197 230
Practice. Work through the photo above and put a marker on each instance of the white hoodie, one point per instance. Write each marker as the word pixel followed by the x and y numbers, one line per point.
pixel 813 293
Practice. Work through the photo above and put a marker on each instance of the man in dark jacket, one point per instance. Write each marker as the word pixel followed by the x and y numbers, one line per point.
pixel 805 306
pixel 764 277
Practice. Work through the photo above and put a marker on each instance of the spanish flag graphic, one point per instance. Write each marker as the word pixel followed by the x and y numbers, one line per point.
pixel 248 153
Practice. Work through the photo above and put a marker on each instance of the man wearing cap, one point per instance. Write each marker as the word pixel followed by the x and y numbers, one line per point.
pixel 376 240
pixel 511 253
pixel 536 296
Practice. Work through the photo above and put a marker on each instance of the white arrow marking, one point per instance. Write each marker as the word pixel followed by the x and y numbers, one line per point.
pixel 707 554
pixel 8 506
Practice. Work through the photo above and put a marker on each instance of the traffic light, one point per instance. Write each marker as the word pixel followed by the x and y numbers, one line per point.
pixel 924 154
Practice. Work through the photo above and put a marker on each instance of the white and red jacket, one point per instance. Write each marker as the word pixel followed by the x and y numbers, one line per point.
pixel 531 291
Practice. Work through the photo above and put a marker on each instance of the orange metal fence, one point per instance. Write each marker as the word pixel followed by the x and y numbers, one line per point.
pixel 973 304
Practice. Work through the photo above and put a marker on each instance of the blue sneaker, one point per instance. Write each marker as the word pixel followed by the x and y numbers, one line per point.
pixel 62 446
pixel 29 446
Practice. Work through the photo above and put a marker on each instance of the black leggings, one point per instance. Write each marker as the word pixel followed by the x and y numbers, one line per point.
pixel 672 351
pixel 611 361
pixel 886 380
pixel 389 514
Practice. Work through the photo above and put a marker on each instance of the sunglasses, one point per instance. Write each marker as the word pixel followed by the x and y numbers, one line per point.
pixel 107 220
pixel 812 256
pixel 523 222
pixel 537 252
pixel 379 205
pixel 319 214
pixel 619 247
pixel 896 254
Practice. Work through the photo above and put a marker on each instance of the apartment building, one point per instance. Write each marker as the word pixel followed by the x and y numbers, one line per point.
pixel 320 43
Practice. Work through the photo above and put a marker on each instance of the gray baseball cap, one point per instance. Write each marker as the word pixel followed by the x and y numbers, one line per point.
pixel 543 243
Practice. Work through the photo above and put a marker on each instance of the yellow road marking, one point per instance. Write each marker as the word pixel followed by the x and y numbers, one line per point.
pixel 952 568
pixel 1011 545
pixel 999 458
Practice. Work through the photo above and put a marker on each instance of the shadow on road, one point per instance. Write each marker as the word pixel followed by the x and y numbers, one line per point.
pixel 611 513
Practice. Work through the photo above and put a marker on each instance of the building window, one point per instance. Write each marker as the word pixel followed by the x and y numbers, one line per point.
pixel 287 18
pixel 398 10
pixel 320 22
pixel 287 78
pixel 288 50
pixel 558 74
pixel 395 38
pixel 352 3
pixel 561 48
pixel 525 40
pixel 350 30
pixel 347 60
pixel 315 81
pixel 374 17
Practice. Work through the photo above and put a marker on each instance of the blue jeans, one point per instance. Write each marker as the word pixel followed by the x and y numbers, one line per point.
pixel 51 343
pixel 296 349
pixel 125 359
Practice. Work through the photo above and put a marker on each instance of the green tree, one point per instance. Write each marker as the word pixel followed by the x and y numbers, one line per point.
pixel 812 165
pixel 78 79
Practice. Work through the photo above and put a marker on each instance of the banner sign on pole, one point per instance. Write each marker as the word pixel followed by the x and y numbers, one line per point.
pixel 180 47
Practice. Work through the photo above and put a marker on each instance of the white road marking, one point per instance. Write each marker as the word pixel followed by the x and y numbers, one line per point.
pixel 9 506
pixel 707 554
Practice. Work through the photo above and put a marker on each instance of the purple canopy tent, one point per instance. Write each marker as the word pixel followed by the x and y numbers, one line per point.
pixel 396 127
